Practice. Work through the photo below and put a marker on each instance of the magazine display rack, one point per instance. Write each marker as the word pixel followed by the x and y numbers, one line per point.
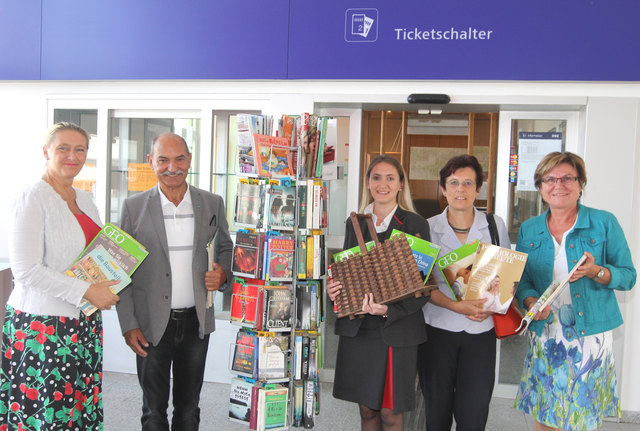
pixel 279 264
pixel 388 271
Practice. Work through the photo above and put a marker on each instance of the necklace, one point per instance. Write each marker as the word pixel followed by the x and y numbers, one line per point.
pixel 459 229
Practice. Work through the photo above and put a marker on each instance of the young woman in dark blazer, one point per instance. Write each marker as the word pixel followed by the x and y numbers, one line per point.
pixel 376 364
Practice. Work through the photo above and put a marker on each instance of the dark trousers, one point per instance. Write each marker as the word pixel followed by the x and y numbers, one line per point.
pixel 182 351
pixel 457 373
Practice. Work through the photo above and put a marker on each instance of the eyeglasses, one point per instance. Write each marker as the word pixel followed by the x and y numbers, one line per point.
pixel 564 180
pixel 466 183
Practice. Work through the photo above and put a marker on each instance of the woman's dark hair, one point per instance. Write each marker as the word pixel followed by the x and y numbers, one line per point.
pixel 459 162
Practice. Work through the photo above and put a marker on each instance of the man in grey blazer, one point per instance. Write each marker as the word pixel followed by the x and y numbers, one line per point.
pixel 163 313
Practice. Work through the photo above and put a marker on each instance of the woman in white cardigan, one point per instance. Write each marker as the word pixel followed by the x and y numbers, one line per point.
pixel 52 354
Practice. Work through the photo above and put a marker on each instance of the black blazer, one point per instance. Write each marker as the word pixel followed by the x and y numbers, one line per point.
pixel 404 325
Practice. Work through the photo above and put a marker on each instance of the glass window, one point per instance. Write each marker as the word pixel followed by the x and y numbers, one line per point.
pixel 531 140
pixel 88 120
pixel 131 140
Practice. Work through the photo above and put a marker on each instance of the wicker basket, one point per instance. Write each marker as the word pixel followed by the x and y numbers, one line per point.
pixel 388 270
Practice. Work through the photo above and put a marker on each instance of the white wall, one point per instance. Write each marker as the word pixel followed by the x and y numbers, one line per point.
pixel 610 144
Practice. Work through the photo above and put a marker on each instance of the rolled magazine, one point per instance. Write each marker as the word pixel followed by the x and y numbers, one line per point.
pixel 549 295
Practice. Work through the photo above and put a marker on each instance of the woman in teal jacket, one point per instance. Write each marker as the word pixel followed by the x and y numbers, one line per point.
pixel 569 380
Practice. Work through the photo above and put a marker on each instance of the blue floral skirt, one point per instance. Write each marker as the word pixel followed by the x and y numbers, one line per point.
pixel 568 382
pixel 51 376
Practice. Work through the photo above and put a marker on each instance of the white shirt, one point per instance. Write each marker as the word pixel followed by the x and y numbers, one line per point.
pixel 179 225
pixel 385 222
pixel 45 238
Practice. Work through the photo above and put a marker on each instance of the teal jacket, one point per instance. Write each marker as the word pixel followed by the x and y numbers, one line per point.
pixel 596 231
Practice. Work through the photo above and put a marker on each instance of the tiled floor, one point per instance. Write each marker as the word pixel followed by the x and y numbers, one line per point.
pixel 123 400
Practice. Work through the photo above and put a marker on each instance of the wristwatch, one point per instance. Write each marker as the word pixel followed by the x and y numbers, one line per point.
pixel 600 274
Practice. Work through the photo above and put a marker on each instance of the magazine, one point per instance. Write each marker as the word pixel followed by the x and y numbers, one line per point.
pixel 123 252
pixel 424 253
pixel 495 276
pixel 547 298
pixel 353 251
pixel 455 268
pixel 95 267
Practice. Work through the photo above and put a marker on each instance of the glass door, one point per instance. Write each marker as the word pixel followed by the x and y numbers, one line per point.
pixel 131 136
pixel 523 139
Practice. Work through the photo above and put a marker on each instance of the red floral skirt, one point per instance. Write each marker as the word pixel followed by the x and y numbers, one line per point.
pixel 51 376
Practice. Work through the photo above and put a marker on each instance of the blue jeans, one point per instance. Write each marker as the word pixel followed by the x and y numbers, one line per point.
pixel 182 351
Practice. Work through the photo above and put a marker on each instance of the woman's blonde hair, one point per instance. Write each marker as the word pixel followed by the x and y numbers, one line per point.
pixel 404 195
pixel 556 158
pixel 59 127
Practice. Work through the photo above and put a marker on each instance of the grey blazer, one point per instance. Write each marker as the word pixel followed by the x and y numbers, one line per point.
pixel 146 303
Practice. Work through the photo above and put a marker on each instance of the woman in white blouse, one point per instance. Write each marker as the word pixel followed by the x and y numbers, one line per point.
pixel 51 376
pixel 457 361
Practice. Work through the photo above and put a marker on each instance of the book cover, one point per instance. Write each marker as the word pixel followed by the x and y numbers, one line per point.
pixel 298 402
pixel 253 420
pixel 282 161
pixel 303 306
pixel 297 357
pixel 309 204
pixel 282 204
pixel 244 301
pixel 309 404
pixel 244 354
pixel 313 366
pixel 310 241
pixel 301 254
pixel 268 163
pixel 303 143
pixel 305 356
pixel 95 267
pixel 315 287
pixel 455 267
pixel 249 200
pixel 278 300
pixel 302 206
pixel 273 355
pixel 246 160
pixel 322 139
pixel 317 154
pixel 330 165
pixel 318 251
pixel 275 407
pixel 280 260
pixel 324 206
pixel 311 147
pixel 424 252
pixel 286 128
pixel 246 254
pixel 495 276
pixel 240 400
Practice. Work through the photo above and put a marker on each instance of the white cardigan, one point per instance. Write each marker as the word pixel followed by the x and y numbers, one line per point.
pixel 45 238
